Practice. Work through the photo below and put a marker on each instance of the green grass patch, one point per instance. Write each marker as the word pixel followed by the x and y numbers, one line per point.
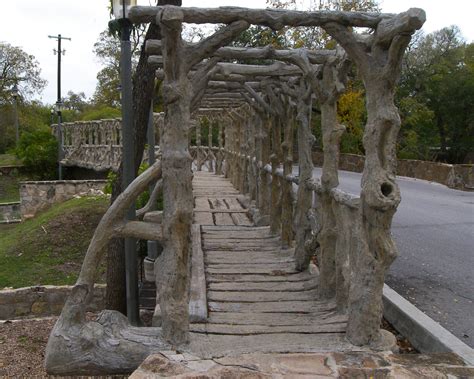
pixel 9 160
pixel 49 249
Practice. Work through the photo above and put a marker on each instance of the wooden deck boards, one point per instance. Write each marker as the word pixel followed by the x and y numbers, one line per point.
pixel 254 293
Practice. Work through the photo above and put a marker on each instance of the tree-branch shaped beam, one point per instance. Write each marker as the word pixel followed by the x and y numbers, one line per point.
pixel 207 47
pixel 273 18
pixel 259 99
pixel 153 48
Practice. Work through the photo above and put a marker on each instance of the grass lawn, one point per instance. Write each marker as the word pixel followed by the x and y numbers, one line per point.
pixel 9 160
pixel 49 248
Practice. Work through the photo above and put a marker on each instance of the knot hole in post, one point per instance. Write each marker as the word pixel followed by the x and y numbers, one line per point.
pixel 386 189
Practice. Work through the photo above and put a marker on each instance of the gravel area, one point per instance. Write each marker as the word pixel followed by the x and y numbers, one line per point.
pixel 22 346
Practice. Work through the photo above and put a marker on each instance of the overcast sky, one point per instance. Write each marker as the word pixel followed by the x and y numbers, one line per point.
pixel 27 24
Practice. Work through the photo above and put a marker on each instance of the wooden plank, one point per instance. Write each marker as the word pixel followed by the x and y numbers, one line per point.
pixel 259 236
pixel 202 203
pixel 237 228
pixel 264 286
pixel 230 211
pixel 314 328
pixel 221 218
pixel 275 319
pixel 215 345
pixel 220 278
pixel 241 219
pixel 197 295
pixel 271 268
pixel 234 204
pixel 247 258
pixel 202 218
pixel 240 247
pixel 261 296
pixel 268 307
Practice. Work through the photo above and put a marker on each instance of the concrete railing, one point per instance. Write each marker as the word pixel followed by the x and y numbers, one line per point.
pixel 96 144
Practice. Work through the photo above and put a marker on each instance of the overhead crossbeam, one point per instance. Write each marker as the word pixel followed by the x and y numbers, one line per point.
pixel 153 48
pixel 273 18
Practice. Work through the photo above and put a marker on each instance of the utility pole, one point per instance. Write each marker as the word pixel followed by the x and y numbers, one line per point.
pixel 59 38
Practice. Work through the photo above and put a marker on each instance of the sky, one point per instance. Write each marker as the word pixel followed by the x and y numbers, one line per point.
pixel 29 22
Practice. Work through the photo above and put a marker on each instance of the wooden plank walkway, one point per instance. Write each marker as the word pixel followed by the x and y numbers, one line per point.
pixel 254 294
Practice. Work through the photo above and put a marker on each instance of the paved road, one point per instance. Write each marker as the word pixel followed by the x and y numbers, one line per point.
pixel 434 232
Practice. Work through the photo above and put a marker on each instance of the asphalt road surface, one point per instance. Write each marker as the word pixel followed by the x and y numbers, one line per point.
pixel 434 232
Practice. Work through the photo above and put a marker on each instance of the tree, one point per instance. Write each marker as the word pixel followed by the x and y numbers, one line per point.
pixel 437 77
pixel 107 51
pixel 38 151
pixel 21 68
pixel 75 101
pixel 317 38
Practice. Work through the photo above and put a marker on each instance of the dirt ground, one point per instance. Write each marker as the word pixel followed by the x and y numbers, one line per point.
pixel 22 346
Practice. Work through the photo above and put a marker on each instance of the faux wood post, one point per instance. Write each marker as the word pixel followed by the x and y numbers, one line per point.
pixel 287 186
pixel 235 150
pixel 174 265
pixel 259 161
pixel 265 178
pixel 275 159
pixel 198 146
pixel 220 153
pixel 331 85
pixel 251 142
pixel 380 194
pixel 305 195
pixel 228 146
pixel 209 146
pixel 245 151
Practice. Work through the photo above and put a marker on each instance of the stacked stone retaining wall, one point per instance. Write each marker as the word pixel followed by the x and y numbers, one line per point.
pixel 42 301
pixel 459 177
pixel 36 196
pixel 10 212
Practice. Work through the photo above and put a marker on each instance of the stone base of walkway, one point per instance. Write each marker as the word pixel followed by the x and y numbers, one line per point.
pixel 172 364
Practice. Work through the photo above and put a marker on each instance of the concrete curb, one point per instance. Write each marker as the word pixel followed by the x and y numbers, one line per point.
pixel 424 333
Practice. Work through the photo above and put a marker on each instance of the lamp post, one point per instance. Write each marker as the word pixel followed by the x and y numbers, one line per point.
pixel 120 11
pixel 60 52
pixel 16 94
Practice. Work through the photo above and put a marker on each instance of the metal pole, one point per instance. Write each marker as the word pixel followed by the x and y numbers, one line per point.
pixel 60 143
pixel 58 104
pixel 131 272
pixel 17 123
pixel 59 72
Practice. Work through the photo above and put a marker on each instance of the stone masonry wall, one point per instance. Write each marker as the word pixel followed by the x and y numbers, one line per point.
pixel 41 301
pixel 36 196
pixel 9 212
pixel 459 177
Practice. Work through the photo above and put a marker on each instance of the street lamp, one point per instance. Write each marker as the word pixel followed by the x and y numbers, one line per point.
pixel 16 94
pixel 121 9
